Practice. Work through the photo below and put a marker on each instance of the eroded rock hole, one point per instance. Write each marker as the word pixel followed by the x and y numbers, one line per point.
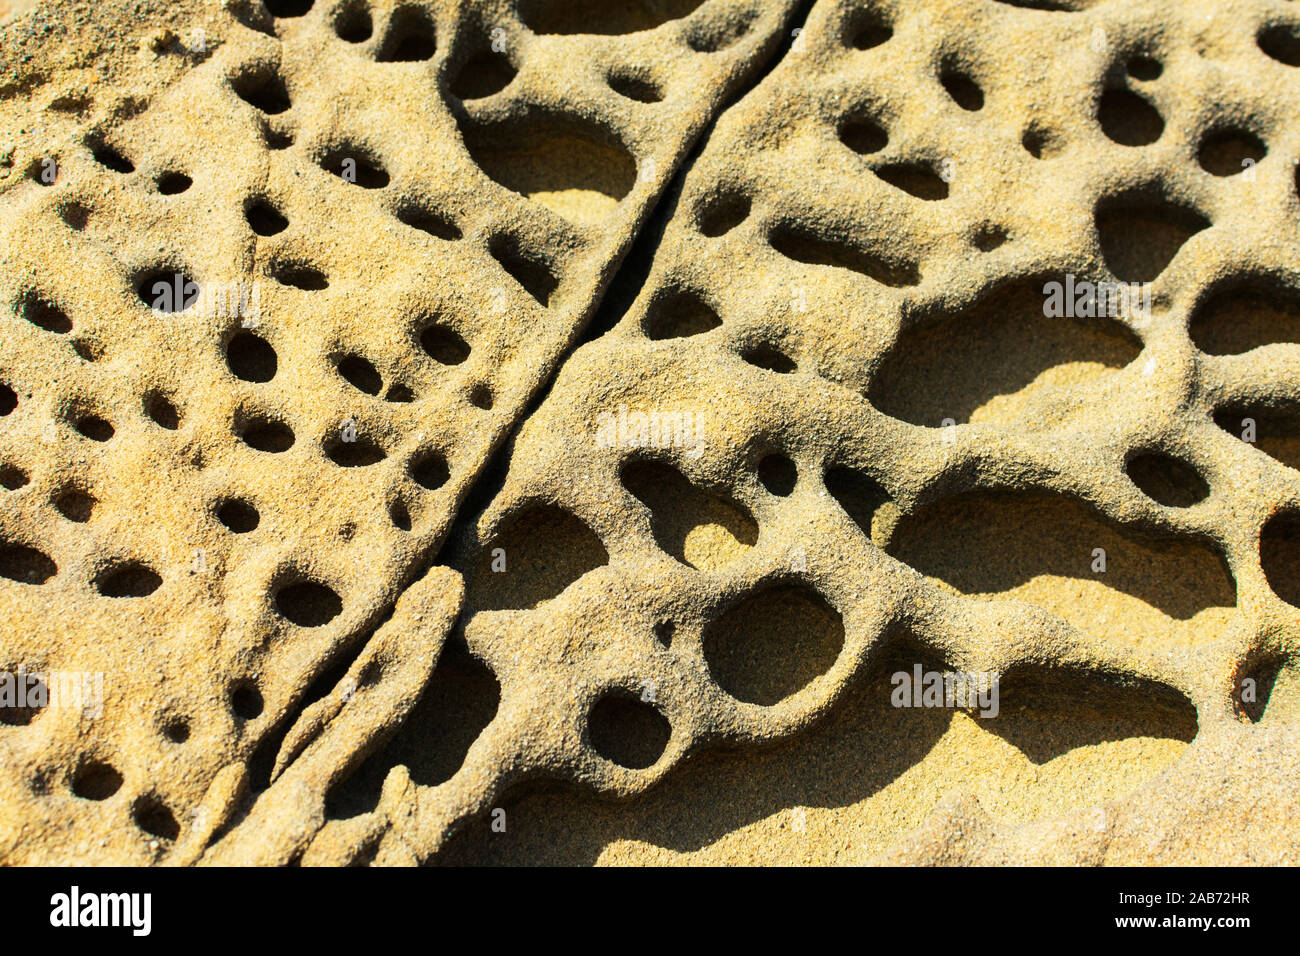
pixel 678 314
pixel 770 358
pixel 1244 314
pixel 570 166
pixel 308 603
pixel 723 212
pixel 300 276
pixel 360 374
pixel 628 731
pixel 480 396
pixel 1140 235
pixel 444 345
pixel 1015 361
pixel 352 23
pixel 1143 67
pixel 535 556
pixel 1166 480
pixel 866 29
pixel 360 453
pixel 111 158
pixel 699 528
pixel 356 165
pixel 267 434
pixel 263 89
pixel 41 312
pixel 160 410
pixel 94 428
pixel 778 474
pixel 1229 152
pixel 1279 556
pixel 857 493
pixel 283 9
pixel 238 515
pixel 74 504
pixel 602 17
pixel 246 700
pixel 635 86
pixel 128 579
pixel 1128 119
pixel 427 219
pixel 430 470
pixel 773 644
pixel 155 818
pixel 8 399
pixel 915 179
pixel 96 781
pixel 264 218
pixel 862 135
pixel 12 477
pixel 804 245
pixel 251 358
pixel 167 290
pixel 171 183
pixel 526 268
pixel 25 564
pixel 1282 43
pixel 963 89
pixel 410 37
pixel 484 74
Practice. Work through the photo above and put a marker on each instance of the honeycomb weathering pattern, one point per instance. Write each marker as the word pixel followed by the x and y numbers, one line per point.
pixel 398 218
pixel 868 438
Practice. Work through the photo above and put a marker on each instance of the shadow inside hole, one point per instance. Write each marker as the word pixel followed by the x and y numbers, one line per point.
pixel 457 705
pixel 803 244
pixel 627 730
pixel 484 74
pixel 535 556
pixel 1042 546
pixel 570 166
pixel 679 313
pixel 41 312
pixel 75 505
pixel 915 179
pixel 699 528
pixel 527 268
pixel 251 358
pixel 1274 429
pixel 723 213
pixel 94 428
pixel 863 135
pixel 1279 556
pixel 360 374
pixel 867 28
pixel 410 37
pixel 773 644
pixel 267 434
pixel 1011 354
pixel 1244 314
pixel 154 817
pixel 308 603
pixel 427 219
pixel 360 453
pixel 160 410
pixel 1166 480
pixel 1141 234
pixel 262 88
pixel 858 494
pixel 601 16
pixel 238 516
pixel 1128 119
pixel 778 474
pixel 444 345
pixel 96 780
pixel 356 165
pixel 1229 152
pixel 131 579
pixel 25 564
pixel 635 86
pixel 963 89
pixel 1281 41
pixel 12 477
pixel 171 183
pixel 300 276
pixel 430 471
pixel 264 218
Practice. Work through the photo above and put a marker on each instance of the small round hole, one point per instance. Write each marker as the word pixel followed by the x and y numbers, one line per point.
pixel 778 474
pixel 177 730
pixel 128 580
pixel 238 515
pixel 96 781
pixel 480 396
pixel 627 730
pixel 94 428
pixel 246 701
pixel 308 604
pixel 171 183
pixel 430 471
pixel 251 358
pixel 264 218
